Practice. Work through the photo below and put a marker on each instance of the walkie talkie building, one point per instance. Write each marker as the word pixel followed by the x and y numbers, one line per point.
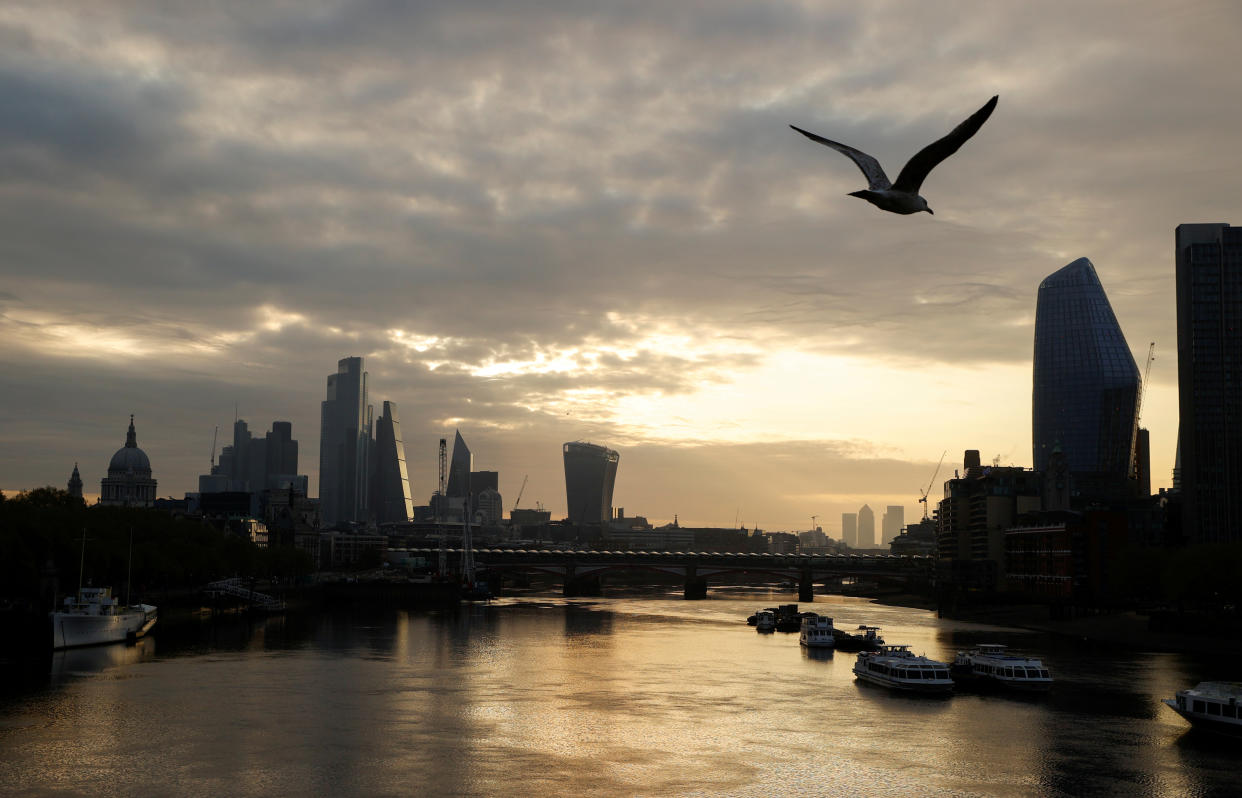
pixel 590 472
pixel 1086 383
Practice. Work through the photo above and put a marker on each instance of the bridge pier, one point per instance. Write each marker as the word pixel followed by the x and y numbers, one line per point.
pixel 806 588
pixel 588 585
pixel 695 586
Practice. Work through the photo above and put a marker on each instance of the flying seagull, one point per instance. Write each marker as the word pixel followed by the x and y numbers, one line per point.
pixel 903 196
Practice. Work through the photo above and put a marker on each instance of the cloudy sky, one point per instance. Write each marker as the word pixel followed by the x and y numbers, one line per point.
pixel 552 221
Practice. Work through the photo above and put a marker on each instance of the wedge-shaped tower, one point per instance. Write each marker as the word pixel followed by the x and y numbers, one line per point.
pixel 392 502
pixel 1086 383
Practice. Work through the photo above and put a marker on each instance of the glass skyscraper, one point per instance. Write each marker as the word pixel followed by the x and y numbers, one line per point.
pixel 1086 383
pixel 590 472
pixel 1209 380
pixel 344 445
pixel 390 480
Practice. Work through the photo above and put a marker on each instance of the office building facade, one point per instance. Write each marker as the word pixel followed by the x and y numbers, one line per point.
pixel 344 445
pixel 1086 384
pixel 894 519
pixel 866 527
pixel 1209 380
pixel 590 472
pixel 849 529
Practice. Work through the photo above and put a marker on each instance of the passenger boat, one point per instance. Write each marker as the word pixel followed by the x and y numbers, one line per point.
pixel 788 619
pixel 816 631
pixel 897 667
pixel 1210 705
pixel 765 621
pixel 95 618
pixel 988 663
pixel 867 639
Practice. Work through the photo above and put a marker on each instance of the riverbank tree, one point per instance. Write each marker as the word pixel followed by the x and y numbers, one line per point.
pixel 42 546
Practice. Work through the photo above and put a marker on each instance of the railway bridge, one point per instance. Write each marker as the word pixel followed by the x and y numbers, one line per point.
pixel 580 571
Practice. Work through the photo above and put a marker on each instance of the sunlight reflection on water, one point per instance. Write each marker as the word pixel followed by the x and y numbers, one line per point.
pixel 639 695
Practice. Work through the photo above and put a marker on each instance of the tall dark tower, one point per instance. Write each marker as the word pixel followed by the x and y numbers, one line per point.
pixel 1086 383
pixel 1209 380
pixel 459 469
pixel 344 445
pixel 590 472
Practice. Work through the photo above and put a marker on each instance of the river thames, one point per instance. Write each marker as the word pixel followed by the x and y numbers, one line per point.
pixel 646 694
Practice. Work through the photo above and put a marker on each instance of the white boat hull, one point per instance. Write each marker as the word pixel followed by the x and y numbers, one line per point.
pixel 71 629
pixel 929 686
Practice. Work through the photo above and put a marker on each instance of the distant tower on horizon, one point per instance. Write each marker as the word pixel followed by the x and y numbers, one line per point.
pixel 894 519
pixel 590 472
pixel 866 527
pixel 460 466
pixel 75 483
pixel 344 445
pixel 849 529
pixel 1085 389
pixel 1209 362
pixel 392 502
pixel 129 482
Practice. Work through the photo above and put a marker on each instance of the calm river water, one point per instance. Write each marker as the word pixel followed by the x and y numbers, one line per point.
pixel 641 695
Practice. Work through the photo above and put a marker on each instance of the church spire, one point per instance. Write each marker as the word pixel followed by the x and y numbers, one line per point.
pixel 75 483
pixel 131 438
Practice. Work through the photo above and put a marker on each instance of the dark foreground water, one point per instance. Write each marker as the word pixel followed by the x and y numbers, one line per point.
pixel 643 695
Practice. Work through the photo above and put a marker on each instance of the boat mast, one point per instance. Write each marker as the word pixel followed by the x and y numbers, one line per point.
pixel 129 566
pixel 81 565
pixel 467 545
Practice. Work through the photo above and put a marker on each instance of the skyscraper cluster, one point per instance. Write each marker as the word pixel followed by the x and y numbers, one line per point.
pixel 362 468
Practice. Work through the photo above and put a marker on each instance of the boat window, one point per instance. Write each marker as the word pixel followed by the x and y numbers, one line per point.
pixel 1045 675
pixel 1199 706
pixel 1213 709
pixel 942 674
pixel 1229 712
pixel 1009 671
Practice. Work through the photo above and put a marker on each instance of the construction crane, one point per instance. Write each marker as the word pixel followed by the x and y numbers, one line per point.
pixel 1138 407
pixel 932 481
pixel 521 490
pixel 214 435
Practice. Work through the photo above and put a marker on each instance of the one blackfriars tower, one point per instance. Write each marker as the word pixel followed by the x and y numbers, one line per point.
pixel 1086 383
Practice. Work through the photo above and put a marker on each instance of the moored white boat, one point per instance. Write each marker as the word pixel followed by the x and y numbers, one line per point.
pixel 765 621
pixel 1210 705
pixel 988 663
pixel 896 667
pixel 96 618
pixel 816 631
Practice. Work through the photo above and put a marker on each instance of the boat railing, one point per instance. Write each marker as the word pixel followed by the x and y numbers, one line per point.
pixel 236 588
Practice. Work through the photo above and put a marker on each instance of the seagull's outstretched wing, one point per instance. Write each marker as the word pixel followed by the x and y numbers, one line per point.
pixel 876 179
pixel 917 168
